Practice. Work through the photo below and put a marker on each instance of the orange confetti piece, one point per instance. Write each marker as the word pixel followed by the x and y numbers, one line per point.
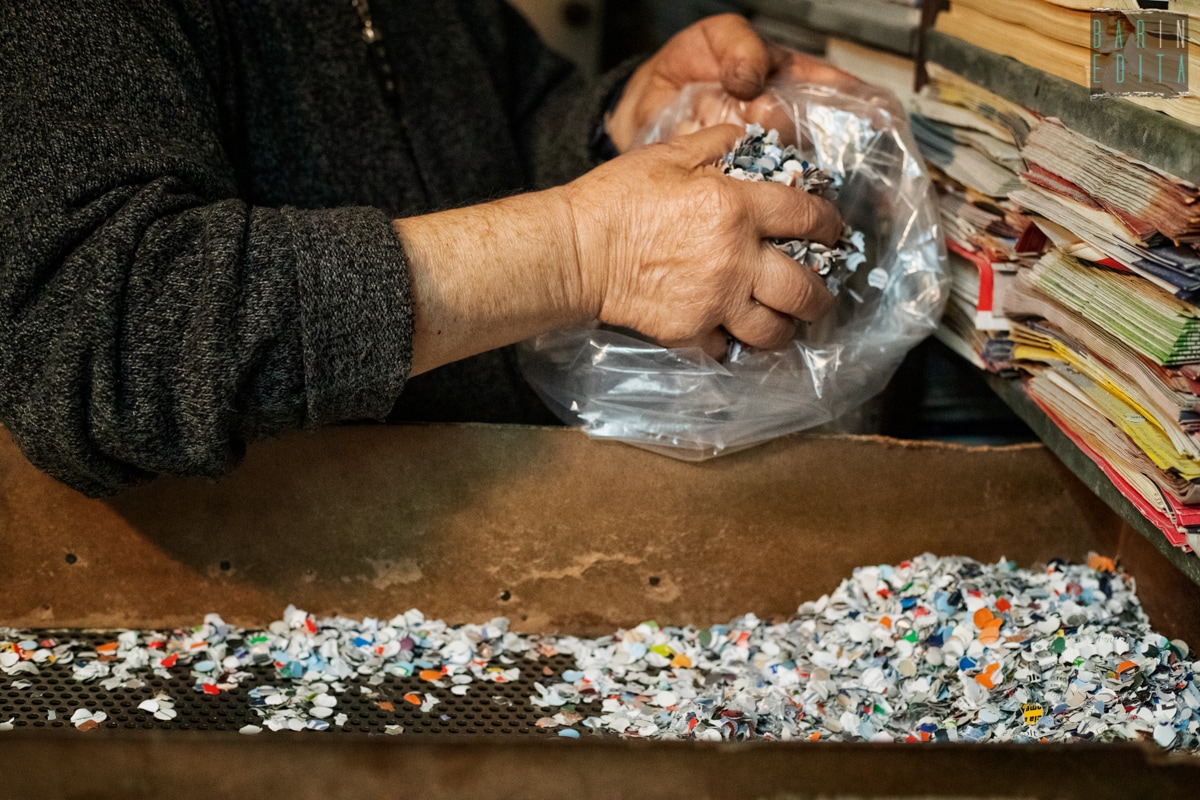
pixel 886 622
pixel 1125 666
pixel 413 697
pixel 431 674
pixel 982 617
pixel 1100 563
pixel 107 647
pixel 681 661
pixel 386 705
pixel 985 678
pixel 815 736
pixel 989 635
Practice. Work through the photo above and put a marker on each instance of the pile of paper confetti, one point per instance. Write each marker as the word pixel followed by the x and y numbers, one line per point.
pixel 758 157
pixel 932 649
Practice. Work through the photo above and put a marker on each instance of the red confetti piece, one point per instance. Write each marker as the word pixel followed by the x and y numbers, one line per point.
pixel 1003 605
pixel 170 660
pixel 210 688
pixel 310 625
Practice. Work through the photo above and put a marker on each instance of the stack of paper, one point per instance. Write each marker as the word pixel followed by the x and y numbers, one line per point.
pixel 1116 211
pixel 971 140
pixel 1078 266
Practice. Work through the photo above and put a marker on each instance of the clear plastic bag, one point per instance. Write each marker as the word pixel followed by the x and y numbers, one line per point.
pixel 685 404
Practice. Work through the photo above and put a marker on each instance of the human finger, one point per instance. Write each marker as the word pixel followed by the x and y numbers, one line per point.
pixel 778 56
pixel 707 145
pixel 761 326
pixel 785 212
pixel 790 288
pixel 801 68
pixel 742 57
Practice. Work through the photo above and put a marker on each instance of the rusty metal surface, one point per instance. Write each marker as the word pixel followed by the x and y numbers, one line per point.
pixel 558 533
pixel 540 525
pixel 305 767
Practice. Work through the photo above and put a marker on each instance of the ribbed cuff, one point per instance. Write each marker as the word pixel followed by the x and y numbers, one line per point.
pixel 356 312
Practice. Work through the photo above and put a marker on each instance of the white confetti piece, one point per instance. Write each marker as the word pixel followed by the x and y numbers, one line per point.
pixel 758 156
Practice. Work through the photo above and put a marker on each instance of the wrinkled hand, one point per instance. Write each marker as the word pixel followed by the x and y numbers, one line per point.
pixel 722 49
pixel 667 245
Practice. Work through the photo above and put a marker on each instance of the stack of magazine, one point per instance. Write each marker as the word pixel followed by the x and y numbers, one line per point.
pixel 1077 266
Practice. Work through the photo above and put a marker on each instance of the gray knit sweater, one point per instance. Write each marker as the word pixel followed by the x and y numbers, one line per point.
pixel 195 206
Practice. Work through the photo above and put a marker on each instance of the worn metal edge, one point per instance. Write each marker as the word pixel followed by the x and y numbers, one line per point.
pixel 301 767
pixel 1012 393
pixel 888 26
pixel 1149 136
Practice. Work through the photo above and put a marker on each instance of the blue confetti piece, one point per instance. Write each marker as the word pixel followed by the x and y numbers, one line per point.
pixel 569 733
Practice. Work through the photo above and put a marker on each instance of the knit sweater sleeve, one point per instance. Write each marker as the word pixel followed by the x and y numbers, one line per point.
pixel 150 321
pixel 554 111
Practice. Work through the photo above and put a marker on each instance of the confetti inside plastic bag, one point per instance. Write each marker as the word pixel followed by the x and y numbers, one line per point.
pixel 685 404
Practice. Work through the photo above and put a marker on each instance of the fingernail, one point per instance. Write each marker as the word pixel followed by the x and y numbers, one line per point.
pixel 747 74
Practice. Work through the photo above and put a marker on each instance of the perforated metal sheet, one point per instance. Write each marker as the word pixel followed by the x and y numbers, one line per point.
pixel 487 708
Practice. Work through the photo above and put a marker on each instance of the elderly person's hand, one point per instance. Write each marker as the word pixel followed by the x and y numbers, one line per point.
pixel 656 240
pixel 722 49
pixel 671 247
